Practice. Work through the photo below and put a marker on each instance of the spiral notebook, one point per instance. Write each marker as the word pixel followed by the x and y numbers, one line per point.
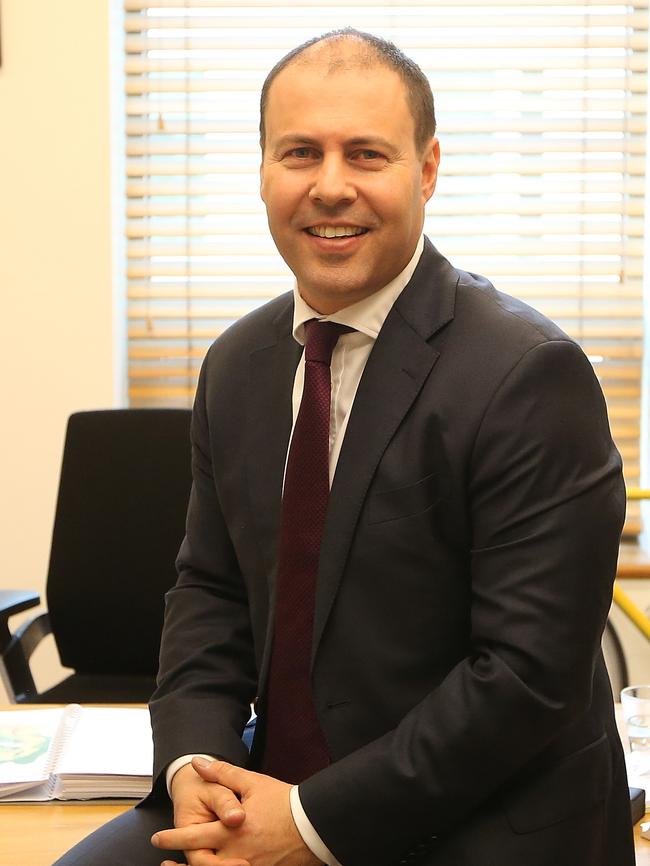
pixel 75 753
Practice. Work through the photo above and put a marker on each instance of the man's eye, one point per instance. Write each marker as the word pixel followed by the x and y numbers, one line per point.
pixel 368 159
pixel 301 152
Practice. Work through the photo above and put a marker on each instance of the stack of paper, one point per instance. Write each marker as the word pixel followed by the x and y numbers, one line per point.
pixel 75 753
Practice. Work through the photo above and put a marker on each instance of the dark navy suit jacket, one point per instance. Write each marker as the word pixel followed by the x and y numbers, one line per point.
pixel 465 577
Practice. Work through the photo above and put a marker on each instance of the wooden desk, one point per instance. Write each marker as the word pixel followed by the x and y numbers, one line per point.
pixel 35 834
pixel 633 560
pixel 641 846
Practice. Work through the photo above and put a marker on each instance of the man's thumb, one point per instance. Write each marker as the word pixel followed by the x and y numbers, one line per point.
pixel 222 772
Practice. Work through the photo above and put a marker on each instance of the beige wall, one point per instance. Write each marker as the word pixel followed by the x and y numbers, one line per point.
pixel 56 315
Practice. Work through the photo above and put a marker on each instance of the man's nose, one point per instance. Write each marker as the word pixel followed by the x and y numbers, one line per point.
pixel 333 184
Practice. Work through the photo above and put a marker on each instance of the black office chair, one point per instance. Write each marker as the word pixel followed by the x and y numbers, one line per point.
pixel 120 517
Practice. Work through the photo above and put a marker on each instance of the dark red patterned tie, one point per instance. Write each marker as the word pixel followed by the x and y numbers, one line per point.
pixel 295 744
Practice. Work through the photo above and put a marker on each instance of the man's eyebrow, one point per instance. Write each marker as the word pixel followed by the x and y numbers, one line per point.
pixel 371 142
pixel 293 139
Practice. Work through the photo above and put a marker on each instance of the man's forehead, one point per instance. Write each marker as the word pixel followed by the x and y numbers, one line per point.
pixel 298 103
pixel 301 111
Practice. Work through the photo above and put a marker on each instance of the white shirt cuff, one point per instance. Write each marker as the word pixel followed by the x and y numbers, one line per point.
pixel 306 829
pixel 175 766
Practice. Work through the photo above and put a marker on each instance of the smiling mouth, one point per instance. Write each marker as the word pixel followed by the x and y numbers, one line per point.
pixel 335 231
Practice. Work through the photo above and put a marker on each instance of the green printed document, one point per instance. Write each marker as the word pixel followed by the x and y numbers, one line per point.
pixel 75 753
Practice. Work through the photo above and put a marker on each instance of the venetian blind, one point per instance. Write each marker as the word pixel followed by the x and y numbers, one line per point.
pixel 542 123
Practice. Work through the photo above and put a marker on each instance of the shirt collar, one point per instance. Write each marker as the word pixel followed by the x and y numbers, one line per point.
pixel 367 315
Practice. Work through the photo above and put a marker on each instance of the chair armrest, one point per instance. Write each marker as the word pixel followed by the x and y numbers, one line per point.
pixel 13 601
pixel 15 671
pixel 30 634
pixel 16 600
pixel 15 659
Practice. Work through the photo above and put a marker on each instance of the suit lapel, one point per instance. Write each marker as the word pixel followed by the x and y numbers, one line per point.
pixel 397 368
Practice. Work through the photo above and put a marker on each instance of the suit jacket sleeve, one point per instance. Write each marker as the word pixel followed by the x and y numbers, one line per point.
pixel 208 675
pixel 546 503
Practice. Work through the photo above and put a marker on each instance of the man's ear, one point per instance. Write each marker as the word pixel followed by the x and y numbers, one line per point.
pixel 262 181
pixel 430 163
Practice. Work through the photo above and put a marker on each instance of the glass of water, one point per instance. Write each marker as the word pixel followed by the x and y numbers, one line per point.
pixel 635 701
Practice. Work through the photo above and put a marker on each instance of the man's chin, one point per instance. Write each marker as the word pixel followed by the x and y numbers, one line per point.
pixel 335 290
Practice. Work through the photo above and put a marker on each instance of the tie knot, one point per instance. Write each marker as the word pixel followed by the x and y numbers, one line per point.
pixel 320 339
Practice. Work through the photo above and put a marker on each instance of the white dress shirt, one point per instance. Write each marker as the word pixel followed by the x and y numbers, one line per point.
pixel 349 359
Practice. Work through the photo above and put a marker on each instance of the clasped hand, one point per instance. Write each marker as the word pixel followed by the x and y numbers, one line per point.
pixel 227 816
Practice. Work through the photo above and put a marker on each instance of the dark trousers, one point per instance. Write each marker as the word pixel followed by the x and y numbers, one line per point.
pixel 124 841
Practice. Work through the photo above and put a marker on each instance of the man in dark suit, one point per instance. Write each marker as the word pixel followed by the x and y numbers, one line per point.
pixel 468 548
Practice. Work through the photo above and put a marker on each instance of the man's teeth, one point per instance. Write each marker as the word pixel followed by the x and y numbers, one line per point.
pixel 335 231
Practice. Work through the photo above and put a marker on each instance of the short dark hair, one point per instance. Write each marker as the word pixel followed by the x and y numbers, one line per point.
pixel 418 89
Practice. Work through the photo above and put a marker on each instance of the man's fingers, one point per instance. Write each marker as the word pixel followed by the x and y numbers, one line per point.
pixel 202 858
pixel 200 842
pixel 222 772
pixel 225 805
pixel 189 838
pixel 214 859
pixel 206 858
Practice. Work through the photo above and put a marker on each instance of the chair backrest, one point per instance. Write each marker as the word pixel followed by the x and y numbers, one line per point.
pixel 120 518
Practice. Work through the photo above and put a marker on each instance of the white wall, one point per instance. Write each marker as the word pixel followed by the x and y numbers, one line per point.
pixel 56 314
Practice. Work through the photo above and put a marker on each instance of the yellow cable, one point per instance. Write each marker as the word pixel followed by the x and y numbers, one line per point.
pixel 638 493
pixel 621 598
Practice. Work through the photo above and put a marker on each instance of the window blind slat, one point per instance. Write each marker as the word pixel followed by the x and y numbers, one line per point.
pixel 510 183
pixel 552 67
pixel 185 145
pixel 486 39
pixel 462 166
pixel 581 105
pixel 143 5
pixel 447 204
pixel 261 264
pixel 230 245
pixel 162 82
pixel 609 226
pixel 470 125
pixel 411 16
